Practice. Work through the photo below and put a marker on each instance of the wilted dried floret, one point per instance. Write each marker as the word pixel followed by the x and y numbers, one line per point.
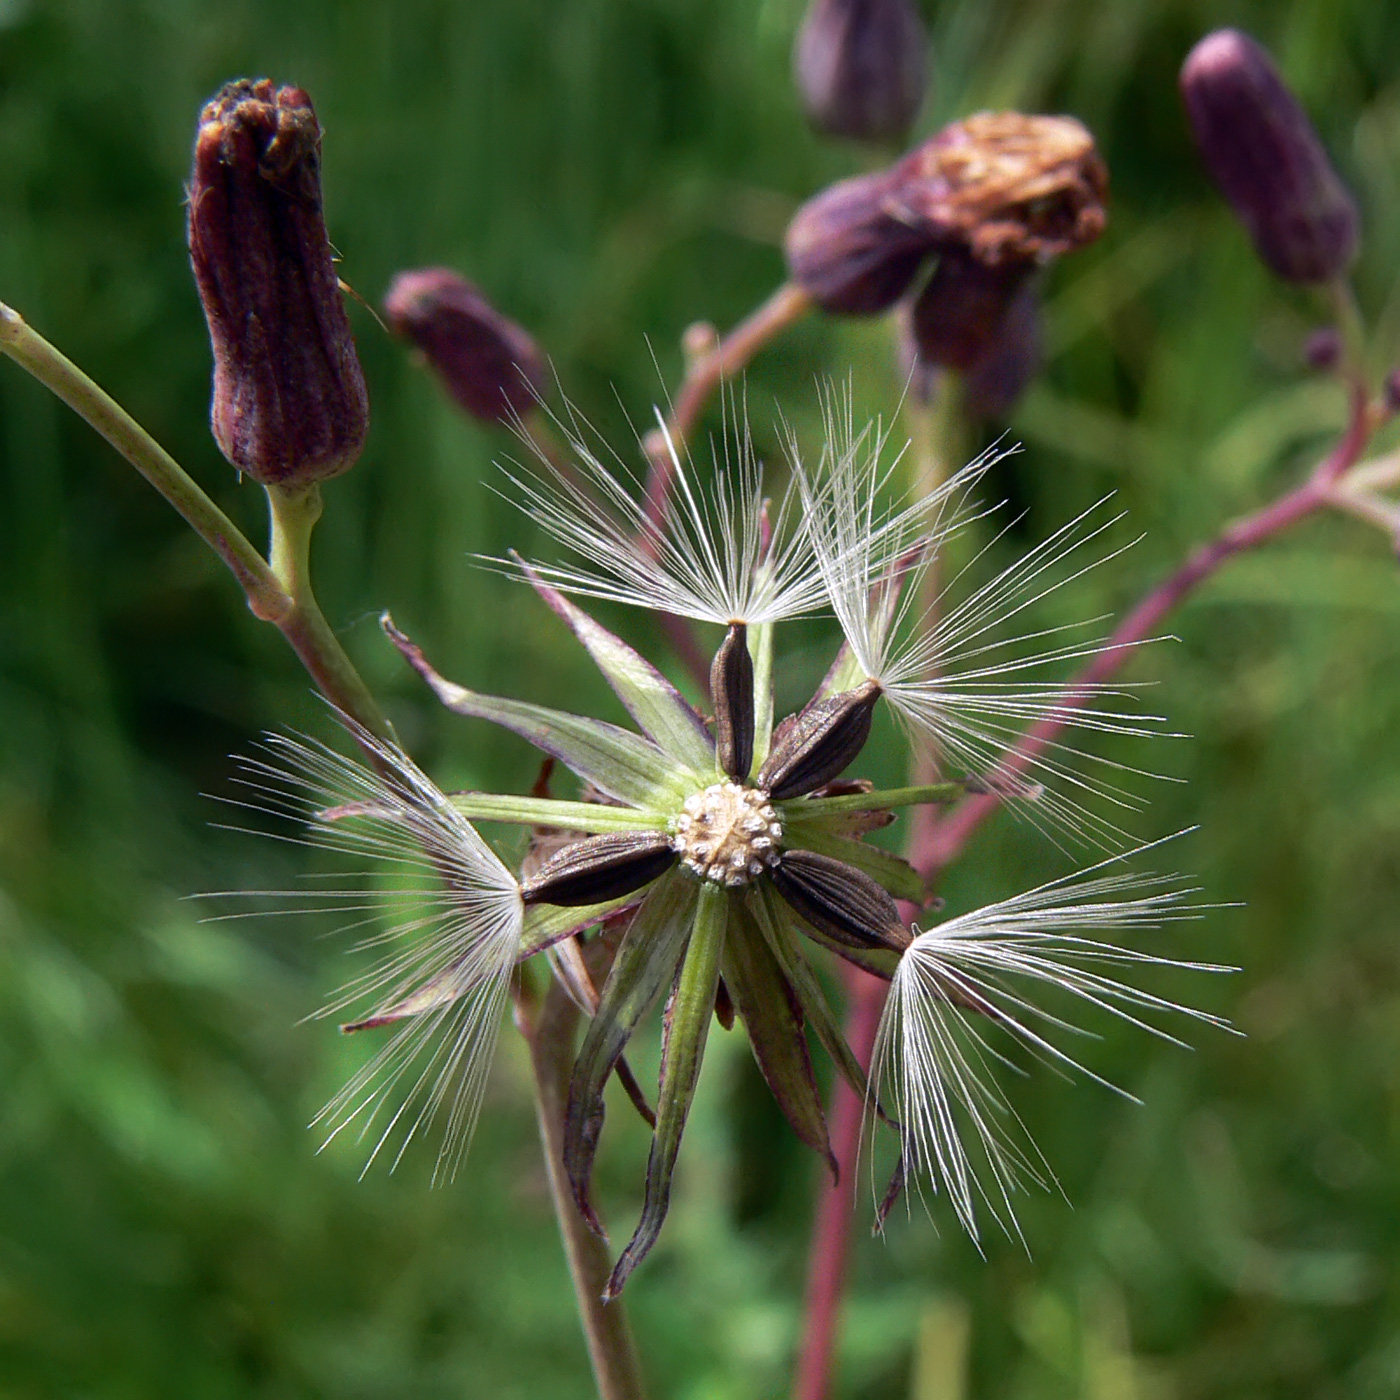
pixel 1007 186
pixel 490 365
pixel 1265 156
pixel 290 405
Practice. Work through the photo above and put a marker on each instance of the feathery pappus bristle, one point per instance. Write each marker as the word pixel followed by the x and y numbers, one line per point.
pixel 966 993
pixel 720 552
pixel 440 912
pixel 963 678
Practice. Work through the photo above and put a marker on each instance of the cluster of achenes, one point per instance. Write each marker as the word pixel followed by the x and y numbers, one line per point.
pixel 707 856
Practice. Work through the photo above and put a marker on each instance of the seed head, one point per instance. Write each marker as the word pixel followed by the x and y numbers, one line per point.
pixel 728 834
pixel 490 365
pixel 1266 158
pixel 290 405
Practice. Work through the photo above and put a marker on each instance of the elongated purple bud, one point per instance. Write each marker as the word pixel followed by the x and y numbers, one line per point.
pixel 860 67
pixel 992 387
pixel 850 252
pixel 960 313
pixel 290 405
pixel 490 365
pixel 1266 158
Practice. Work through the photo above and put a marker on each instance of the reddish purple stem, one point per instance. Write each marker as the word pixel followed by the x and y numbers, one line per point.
pixel 936 843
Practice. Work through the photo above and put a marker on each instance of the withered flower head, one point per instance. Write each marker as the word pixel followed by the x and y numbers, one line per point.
pixel 711 864
pixel 1266 158
pixel 290 405
pixel 860 67
pixel 1008 187
pixel 1008 190
pixel 490 365
pixel 850 249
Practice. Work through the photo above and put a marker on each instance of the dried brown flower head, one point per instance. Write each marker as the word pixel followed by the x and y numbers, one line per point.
pixel 1007 186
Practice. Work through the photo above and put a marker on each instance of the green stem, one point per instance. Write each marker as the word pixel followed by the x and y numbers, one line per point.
pixel 547 811
pixel 549 1030
pixel 877 801
pixel 278 592
pixel 294 513
pixel 103 413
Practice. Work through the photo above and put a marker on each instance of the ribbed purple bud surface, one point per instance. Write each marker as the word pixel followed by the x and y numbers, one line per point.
pixel 490 365
pixel 849 252
pixel 290 405
pixel 1265 156
pixel 861 67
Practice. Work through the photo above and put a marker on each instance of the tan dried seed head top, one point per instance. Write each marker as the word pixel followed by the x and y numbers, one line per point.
pixel 728 834
pixel 1012 187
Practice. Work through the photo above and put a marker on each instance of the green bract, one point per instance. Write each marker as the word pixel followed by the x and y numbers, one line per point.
pixel 715 879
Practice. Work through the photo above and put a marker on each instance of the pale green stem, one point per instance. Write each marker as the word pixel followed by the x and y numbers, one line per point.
pixel 294 514
pixel 62 377
pixel 549 1030
pixel 279 591
pixel 876 801
pixel 1352 329
pixel 936 431
pixel 548 811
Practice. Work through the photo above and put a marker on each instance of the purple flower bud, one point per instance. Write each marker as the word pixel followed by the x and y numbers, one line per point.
pixel 849 252
pixel 860 67
pixel 993 385
pixel 959 316
pixel 487 363
pixel 290 405
pixel 1322 350
pixel 1263 153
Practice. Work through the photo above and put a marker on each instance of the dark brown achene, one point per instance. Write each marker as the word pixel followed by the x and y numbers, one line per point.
pixel 290 405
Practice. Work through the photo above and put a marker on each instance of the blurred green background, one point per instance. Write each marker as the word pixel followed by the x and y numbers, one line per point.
pixel 609 171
